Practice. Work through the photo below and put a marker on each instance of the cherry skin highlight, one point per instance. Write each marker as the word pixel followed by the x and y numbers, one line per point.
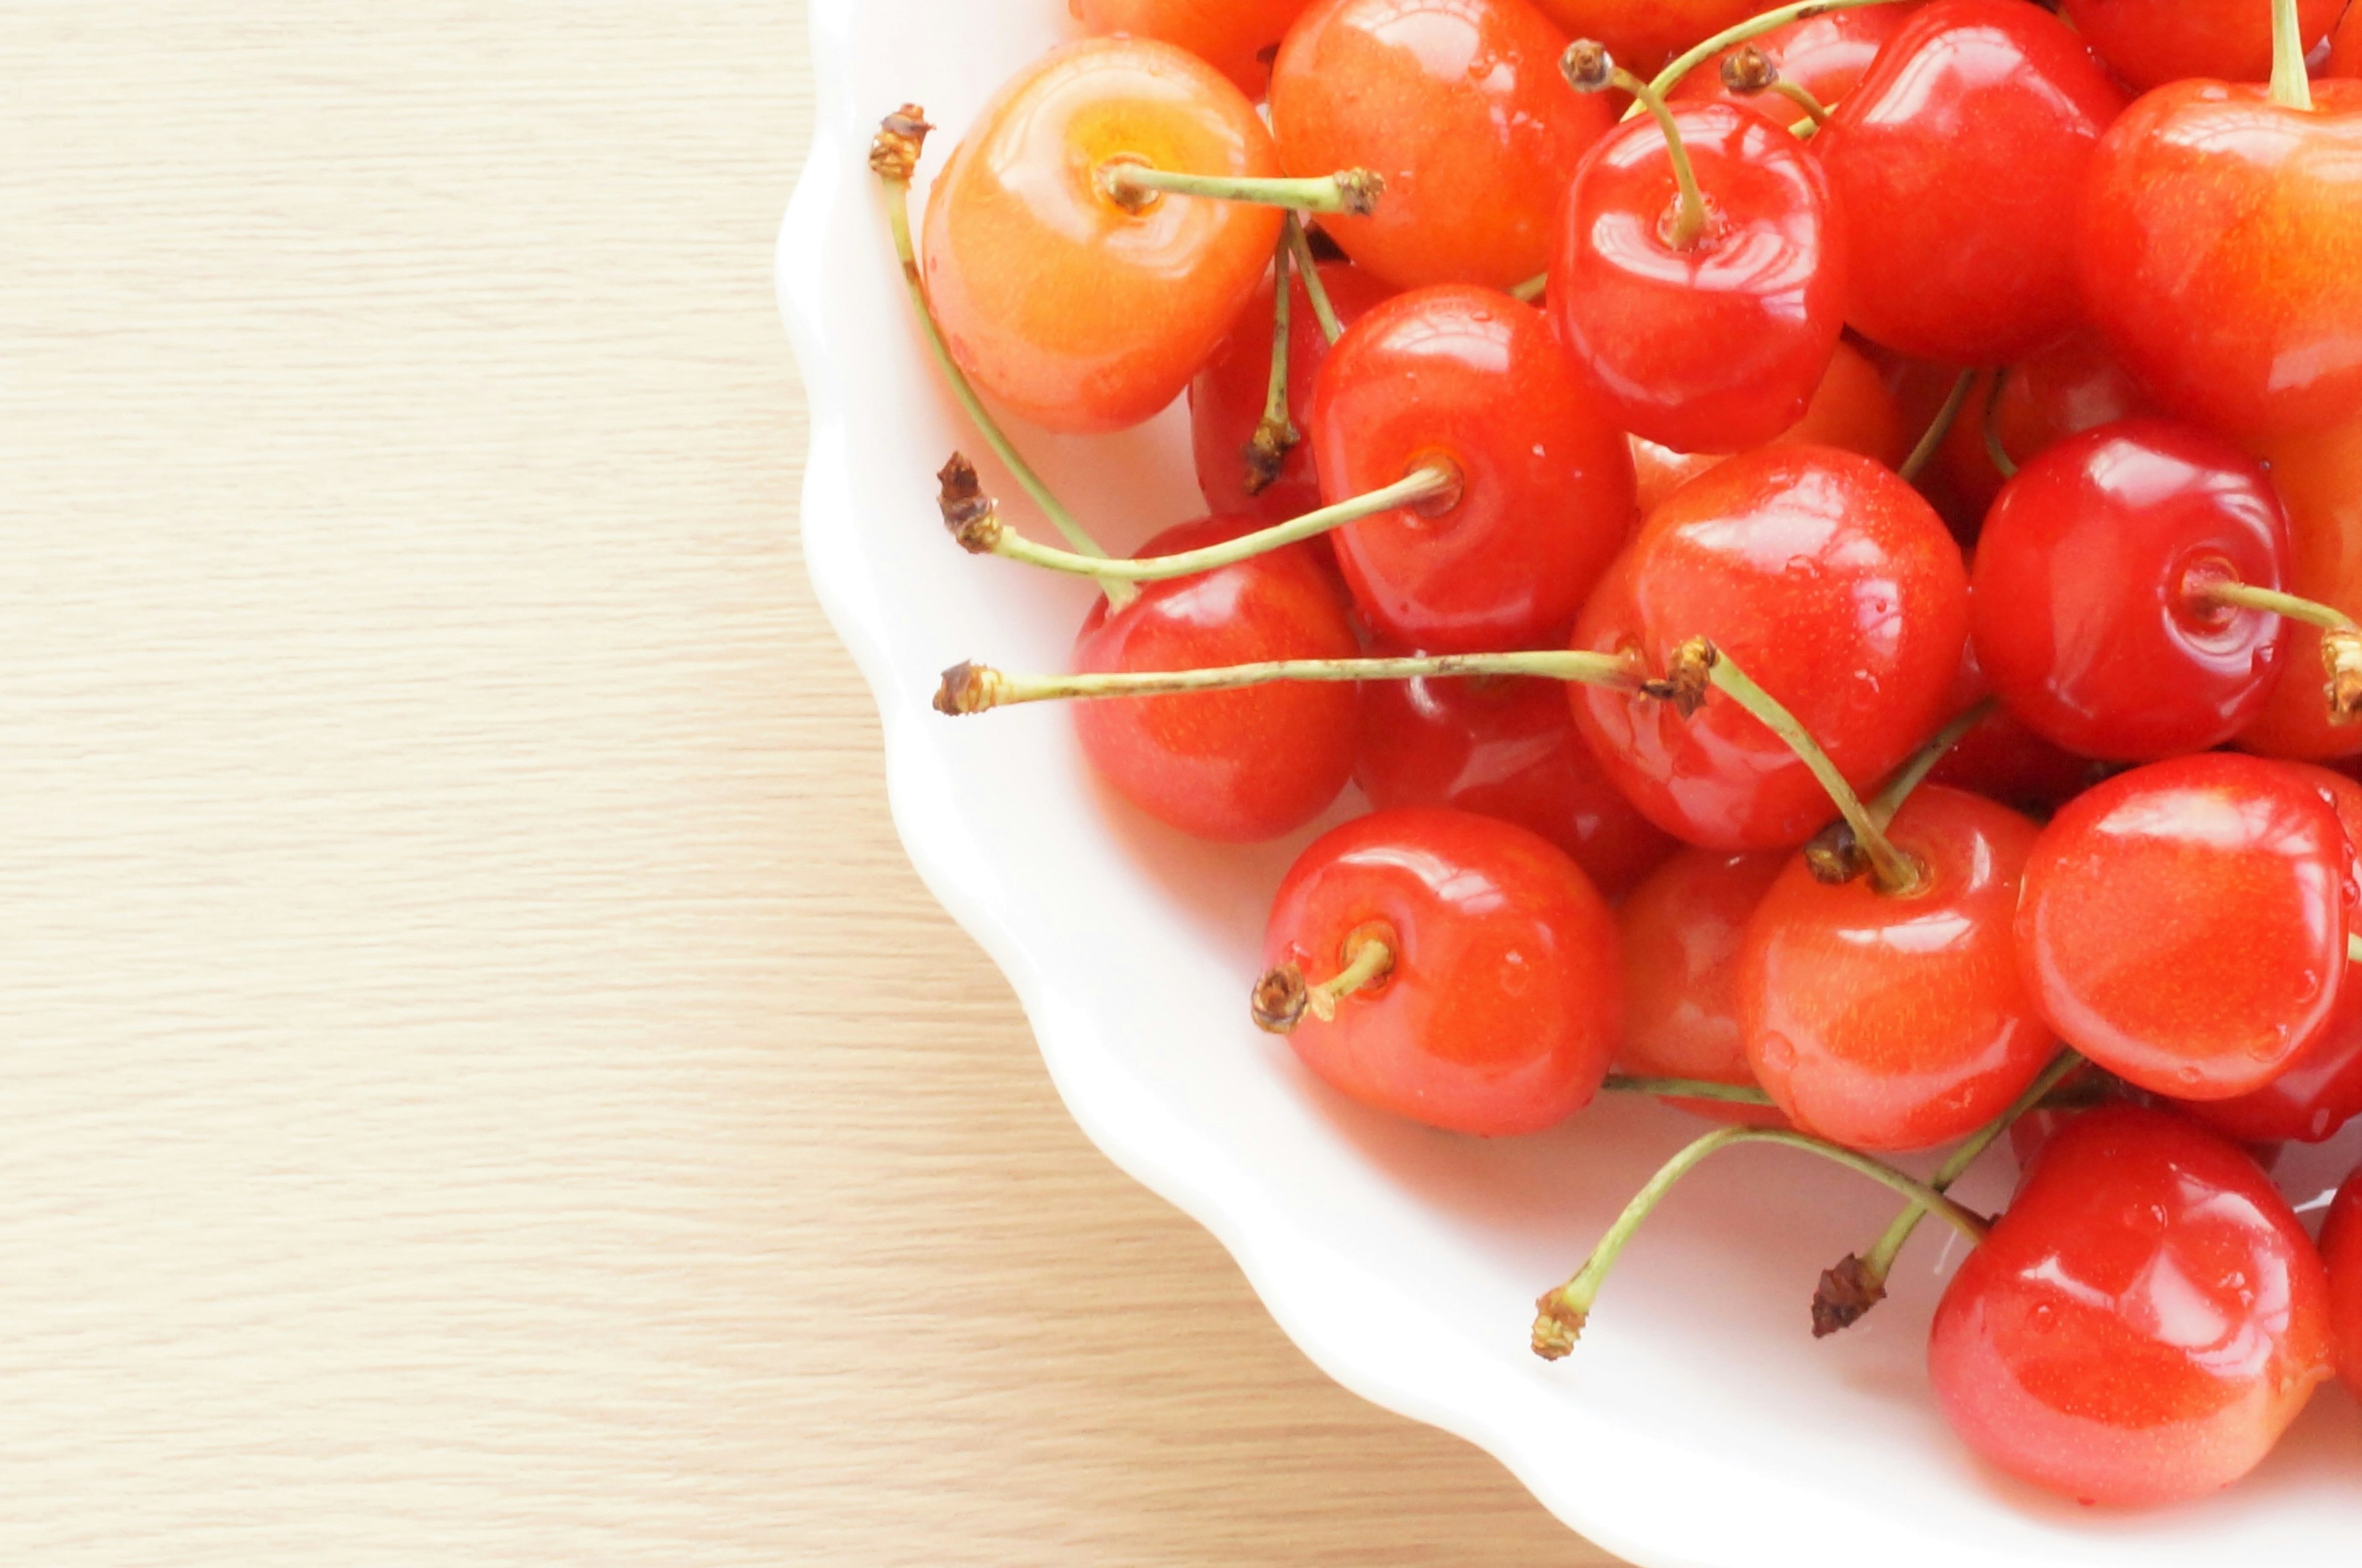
pixel 1887 1021
pixel 1503 748
pixel 2088 616
pixel 2184 924
pixel 2142 1324
pixel 1237 38
pixel 2319 477
pixel 1852 410
pixel 1473 378
pixel 1681 930
pixel 2341 1250
pixel 1826 55
pixel 1959 164
pixel 1227 399
pixel 2152 42
pixel 2216 255
pixel 1829 583
pixel 1059 302
pixel 1233 766
pixel 1459 104
pixel 1716 343
pixel 1501 1009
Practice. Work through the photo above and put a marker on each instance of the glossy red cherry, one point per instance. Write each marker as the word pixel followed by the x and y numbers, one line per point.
pixel 1999 758
pixel 1227 399
pixel 1475 380
pixel 1074 311
pixel 1503 748
pixel 2319 477
pixel 1828 581
pixel 2184 924
pixel 1712 341
pixel 2142 1324
pixel 2091 616
pixel 2216 255
pixel 1959 164
pixel 1644 34
pixel 1460 105
pixel 1234 766
pixel 2341 1250
pixel 2152 42
pixel 1499 1008
pixel 1681 929
pixel 1237 38
pixel 2070 387
pixel 1887 1021
pixel 2345 46
pixel 1851 410
pixel 1827 56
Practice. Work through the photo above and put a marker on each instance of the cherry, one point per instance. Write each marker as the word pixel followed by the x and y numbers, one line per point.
pixel 1852 409
pixel 2072 386
pixel 2185 925
pixel 1072 308
pixel 1227 401
pixel 2341 1250
pixel 1447 967
pixel 2094 615
pixel 1503 748
pixel 1474 380
pixel 1886 1021
pixel 1233 766
pixel 1645 34
pixel 1681 930
pixel 1237 38
pixel 2319 477
pixel 1459 104
pixel 2216 252
pixel 2345 44
pixel 1827 56
pixel 1839 592
pixel 1999 758
pixel 1699 281
pixel 2152 42
pixel 1959 165
pixel 2142 1324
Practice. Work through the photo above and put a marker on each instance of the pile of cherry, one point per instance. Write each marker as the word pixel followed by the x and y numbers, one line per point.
pixel 1832 565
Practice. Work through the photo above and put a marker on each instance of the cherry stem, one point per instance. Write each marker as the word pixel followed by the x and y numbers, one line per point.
pixel 975 688
pixel 1561 1313
pixel 1895 873
pixel 1686 1088
pixel 1921 763
pixel 1995 453
pixel 1588 68
pixel 1746 31
pixel 979 529
pixel 1282 997
pixel 1276 435
pixel 2292 87
pixel 1859 1283
pixel 1748 71
pixel 1135 187
pixel 2231 594
pixel 1532 289
pixel 1308 268
pixel 2341 640
pixel 893 157
pixel 2354 948
pixel 1932 441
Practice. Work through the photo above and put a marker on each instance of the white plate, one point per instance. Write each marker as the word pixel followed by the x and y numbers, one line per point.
pixel 1697 1425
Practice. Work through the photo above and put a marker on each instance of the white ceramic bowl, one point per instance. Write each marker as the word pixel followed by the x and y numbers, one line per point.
pixel 1697 1424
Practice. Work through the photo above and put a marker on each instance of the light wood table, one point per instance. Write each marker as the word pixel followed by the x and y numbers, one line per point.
pixel 483 1085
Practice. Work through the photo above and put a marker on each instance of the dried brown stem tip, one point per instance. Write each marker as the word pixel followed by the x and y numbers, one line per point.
pixel 973 517
pixel 1266 454
pixel 1749 70
pixel 1280 998
pixel 970 688
pixel 1689 675
pixel 1556 1326
pixel 902 137
pixel 1361 189
pixel 1847 1292
pixel 1587 66
pixel 2341 657
pixel 1835 855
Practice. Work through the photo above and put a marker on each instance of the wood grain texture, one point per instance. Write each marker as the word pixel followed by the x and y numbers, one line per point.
pixel 483 1085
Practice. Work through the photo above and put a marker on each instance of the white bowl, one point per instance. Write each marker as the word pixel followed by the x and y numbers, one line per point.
pixel 1697 1424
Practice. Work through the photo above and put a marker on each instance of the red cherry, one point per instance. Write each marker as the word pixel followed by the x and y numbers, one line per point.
pixel 1643 34
pixel 1474 379
pixel 1503 748
pixel 1884 1022
pixel 2152 42
pixel 2319 479
pixel 2070 387
pixel 1706 342
pixel 1826 55
pixel 2184 924
pixel 1076 312
pixel 1959 164
pixel 1234 766
pixel 1237 38
pixel 2001 758
pixel 2142 1324
pixel 1499 1009
pixel 1227 399
pixel 1852 410
pixel 2089 613
pixel 2341 1250
pixel 1460 105
pixel 2217 253
pixel 1681 930
pixel 1828 581
pixel 2345 46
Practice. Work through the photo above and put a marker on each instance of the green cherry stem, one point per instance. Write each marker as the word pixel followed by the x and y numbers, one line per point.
pixel 1559 1314
pixel 2354 948
pixel 2341 640
pixel 977 688
pixel 1746 31
pixel 1276 435
pixel 1588 68
pixel 2271 602
pixel 1748 71
pixel 1686 1088
pixel 1136 187
pixel 1282 997
pixel 1995 453
pixel 1308 268
pixel 1532 289
pixel 2290 86
pixel 1921 763
pixel 1932 441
